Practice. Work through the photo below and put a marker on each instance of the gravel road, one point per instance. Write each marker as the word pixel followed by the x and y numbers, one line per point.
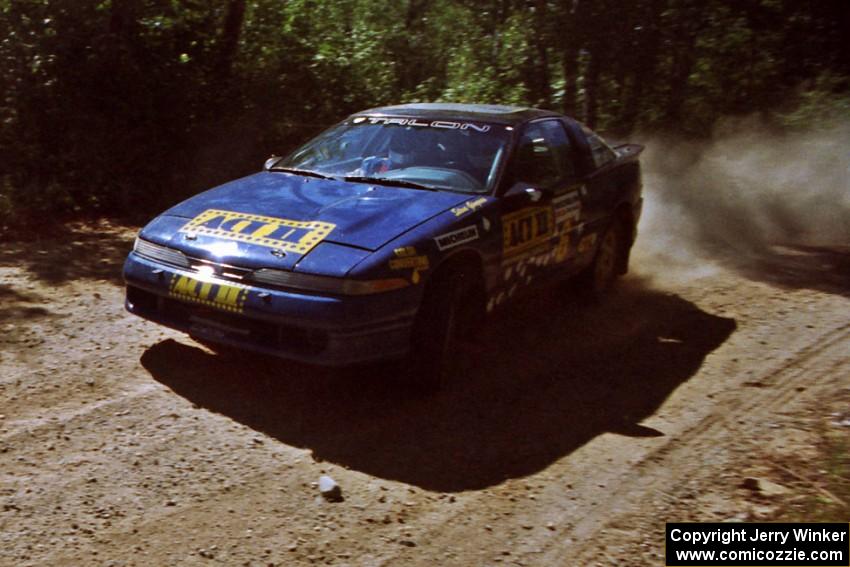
pixel 574 434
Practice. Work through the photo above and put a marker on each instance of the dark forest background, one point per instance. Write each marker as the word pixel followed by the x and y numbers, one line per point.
pixel 121 107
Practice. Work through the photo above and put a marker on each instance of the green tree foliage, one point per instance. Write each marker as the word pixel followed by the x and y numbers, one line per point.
pixel 124 106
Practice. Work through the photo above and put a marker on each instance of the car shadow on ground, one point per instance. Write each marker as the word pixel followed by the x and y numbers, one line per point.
pixel 547 375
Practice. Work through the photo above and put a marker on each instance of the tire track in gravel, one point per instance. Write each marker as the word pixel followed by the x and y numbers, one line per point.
pixel 710 437
pixel 538 533
pixel 34 425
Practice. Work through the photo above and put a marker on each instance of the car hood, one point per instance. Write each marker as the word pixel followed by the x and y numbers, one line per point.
pixel 294 214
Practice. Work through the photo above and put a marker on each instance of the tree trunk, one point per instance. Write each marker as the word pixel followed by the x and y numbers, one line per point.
pixel 647 45
pixel 591 88
pixel 411 71
pixel 543 82
pixel 683 61
pixel 229 42
pixel 574 18
pixel 690 22
pixel 542 90
pixel 570 66
pixel 119 17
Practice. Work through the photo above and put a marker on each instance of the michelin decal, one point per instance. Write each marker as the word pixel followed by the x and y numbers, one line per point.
pixel 457 237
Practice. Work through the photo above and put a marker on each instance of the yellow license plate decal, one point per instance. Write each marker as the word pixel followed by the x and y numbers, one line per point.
pixel 212 294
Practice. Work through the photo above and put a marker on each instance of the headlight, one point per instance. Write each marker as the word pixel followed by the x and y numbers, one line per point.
pixel 325 284
pixel 160 253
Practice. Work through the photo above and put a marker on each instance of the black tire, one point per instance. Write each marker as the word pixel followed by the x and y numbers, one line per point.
pixel 598 278
pixel 442 319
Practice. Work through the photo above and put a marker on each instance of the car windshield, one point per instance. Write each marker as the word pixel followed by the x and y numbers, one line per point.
pixel 451 155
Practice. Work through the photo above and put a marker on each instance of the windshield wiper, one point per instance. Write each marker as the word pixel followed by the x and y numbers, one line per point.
pixel 388 181
pixel 306 172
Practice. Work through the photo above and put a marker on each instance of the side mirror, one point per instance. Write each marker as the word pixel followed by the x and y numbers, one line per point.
pixel 270 163
pixel 529 192
pixel 534 195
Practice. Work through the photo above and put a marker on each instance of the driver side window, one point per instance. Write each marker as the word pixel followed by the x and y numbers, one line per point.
pixel 543 156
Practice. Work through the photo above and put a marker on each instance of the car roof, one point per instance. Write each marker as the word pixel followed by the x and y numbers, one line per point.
pixel 497 113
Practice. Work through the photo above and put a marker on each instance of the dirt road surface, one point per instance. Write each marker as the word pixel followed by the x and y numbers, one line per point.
pixel 575 433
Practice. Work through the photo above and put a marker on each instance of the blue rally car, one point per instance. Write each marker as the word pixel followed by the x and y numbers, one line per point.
pixel 391 234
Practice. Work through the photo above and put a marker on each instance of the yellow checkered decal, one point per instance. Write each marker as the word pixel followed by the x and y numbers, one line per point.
pixel 284 234
pixel 526 229
pixel 416 262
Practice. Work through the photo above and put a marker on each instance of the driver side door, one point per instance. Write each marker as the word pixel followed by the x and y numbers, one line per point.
pixel 541 209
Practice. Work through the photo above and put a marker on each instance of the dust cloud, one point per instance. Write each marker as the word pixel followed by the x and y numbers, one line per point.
pixel 734 199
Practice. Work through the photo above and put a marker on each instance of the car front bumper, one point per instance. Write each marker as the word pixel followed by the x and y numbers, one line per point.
pixel 318 329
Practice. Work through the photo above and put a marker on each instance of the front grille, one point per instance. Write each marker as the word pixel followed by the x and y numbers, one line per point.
pixel 240 329
pixel 176 258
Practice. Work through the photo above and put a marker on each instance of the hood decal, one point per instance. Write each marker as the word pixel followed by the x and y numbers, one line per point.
pixel 270 203
pixel 281 234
